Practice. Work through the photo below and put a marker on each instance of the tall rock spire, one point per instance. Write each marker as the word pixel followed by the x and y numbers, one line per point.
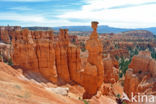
pixel 95 63
pixel 94 34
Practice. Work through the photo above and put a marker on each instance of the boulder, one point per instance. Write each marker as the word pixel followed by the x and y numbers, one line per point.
pixel 59 90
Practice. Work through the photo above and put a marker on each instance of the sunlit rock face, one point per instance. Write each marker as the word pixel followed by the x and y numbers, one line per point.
pixel 95 74
pixel 6 33
pixel 111 72
pixel 143 63
pixel 34 52
pixel 58 61
pixel 62 57
pixel 140 78
pixel 61 62
pixel 74 63
pixel 131 83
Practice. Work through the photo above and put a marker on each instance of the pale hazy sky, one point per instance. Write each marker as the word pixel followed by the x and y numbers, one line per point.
pixel 116 13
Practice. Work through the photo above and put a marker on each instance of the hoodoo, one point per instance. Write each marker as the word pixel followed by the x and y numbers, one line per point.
pixel 60 61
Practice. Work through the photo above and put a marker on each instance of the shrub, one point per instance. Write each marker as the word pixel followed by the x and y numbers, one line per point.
pixel 19 96
pixel 153 54
pixel 118 95
pixel 10 62
pixel 18 87
pixel 123 66
pixel 85 102
pixel 124 103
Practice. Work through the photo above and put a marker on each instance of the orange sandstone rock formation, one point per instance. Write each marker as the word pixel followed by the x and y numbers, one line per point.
pixel 34 54
pixel 94 71
pixel 15 88
pixel 74 64
pixel 131 83
pixel 143 63
pixel 62 57
pixel 140 78
pixel 6 33
pixel 59 60
pixel 4 36
pixel 111 72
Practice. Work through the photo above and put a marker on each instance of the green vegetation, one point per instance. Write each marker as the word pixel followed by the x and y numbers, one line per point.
pixel 73 40
pixel 119 100
pixel 117 57
pixel 153 52
pixel 133 52
pixel 85 102
pixel 19 96
pixel 26 95
pixel 17 87
pixel 117 46
pixel 123 66
pixel 118 95
pixel 124 103
pixel 82 45
pixel 7 61
pixel 141 48
pixel 124 62
pixel 83 49
pixel 150 48
pixel 10 62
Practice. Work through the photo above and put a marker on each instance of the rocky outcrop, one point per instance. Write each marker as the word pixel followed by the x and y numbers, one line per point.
pixel 34 50
pixel 4 36
pixel 111 71
pixel 119 53
pixel 74 64
pixel 94 68
pixel 139 33
pixel 59 90
pixel 35 54
pixel 5 52
pixel 131 83
pixel 152 67
pixel 143 63
pixel 59 60
pixel 6 33
pixel 140 77
pixel 16 88
pixel 62 56
pixel 46 60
